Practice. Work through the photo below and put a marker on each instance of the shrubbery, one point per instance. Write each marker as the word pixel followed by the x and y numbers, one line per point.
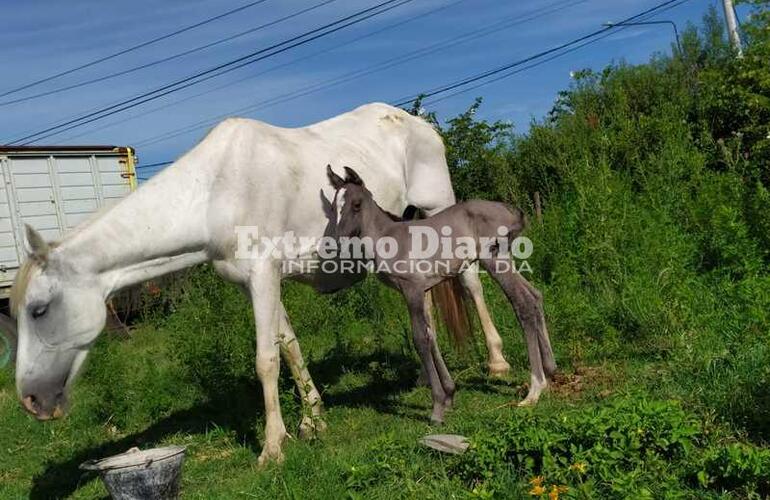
pixel 632 445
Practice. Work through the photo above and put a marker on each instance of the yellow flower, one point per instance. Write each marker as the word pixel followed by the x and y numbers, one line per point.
pixel 537 481
pixel 579 467
pixel 555 490
pixel 537 490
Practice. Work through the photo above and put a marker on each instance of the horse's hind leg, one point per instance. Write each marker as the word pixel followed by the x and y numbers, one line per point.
pixel 498 366
pixel 424 341
pixel 312 421
pixel 527 311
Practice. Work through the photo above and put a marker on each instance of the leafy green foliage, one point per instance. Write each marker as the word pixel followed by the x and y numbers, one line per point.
pixel 650 448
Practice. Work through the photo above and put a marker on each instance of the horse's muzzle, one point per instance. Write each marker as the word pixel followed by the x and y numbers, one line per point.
pixel 45 408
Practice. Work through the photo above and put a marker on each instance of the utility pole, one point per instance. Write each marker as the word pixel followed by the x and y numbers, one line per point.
pixel 732 27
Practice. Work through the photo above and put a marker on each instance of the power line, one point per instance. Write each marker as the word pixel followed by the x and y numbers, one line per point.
pixel 495 71
pixel 213 72
pixel 353 75
pixel 131 49
pixel 158 164
pixel 268 70
pixel 543 61
pixel 554 53
pixel 166 59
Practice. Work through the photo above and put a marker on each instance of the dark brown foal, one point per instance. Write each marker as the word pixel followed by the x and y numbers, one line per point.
pixel 464 234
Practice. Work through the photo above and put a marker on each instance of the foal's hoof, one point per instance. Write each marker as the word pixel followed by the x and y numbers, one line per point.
pixel 501 369
pixel 530 400
pixel 527 402
pixel 311 427
pixel 434 421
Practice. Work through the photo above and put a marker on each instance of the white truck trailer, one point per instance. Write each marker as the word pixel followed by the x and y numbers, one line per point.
pixel 54 188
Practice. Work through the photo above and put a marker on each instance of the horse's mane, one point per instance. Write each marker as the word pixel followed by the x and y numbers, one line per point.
pixel 20 283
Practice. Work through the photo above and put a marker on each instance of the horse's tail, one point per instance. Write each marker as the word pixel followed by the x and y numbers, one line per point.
pixel 449 299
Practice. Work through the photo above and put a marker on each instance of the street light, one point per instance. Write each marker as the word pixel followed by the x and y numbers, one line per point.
pixel 643 23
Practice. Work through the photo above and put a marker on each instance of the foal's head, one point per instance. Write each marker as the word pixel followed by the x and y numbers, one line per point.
pixel 352 199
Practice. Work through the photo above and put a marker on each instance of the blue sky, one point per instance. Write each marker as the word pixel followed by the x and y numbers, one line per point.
pixel 43 37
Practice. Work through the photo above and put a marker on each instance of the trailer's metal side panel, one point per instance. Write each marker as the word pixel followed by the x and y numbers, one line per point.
pixel 79 193
pixel 9 254
pixel 33 186
pixel 114 181
pixel 54 193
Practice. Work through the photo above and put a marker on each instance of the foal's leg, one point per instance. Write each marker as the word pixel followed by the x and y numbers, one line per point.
pixel 529 316
pixel 265 290
pixel 311 399
pixel 421 335
pixel 446 378
pixel 443 373
pixel 498 366
pixel 422 379
pixel 549 363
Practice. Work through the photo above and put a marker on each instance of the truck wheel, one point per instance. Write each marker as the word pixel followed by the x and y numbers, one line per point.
pixel 7 340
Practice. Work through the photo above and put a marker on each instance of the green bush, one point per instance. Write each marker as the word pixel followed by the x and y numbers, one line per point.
pixel 630 447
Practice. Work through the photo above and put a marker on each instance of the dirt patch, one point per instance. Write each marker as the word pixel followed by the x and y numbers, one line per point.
pixel 572 385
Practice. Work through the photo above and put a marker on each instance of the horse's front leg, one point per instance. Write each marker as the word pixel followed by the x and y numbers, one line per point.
pixel 312 421
pixel 292 354
pixel 265 290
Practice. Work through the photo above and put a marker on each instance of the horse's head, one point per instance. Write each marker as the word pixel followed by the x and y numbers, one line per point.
pixel 351 200
pixel 60 311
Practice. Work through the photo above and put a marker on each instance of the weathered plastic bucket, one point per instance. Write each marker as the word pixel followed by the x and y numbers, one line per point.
pixel 150 474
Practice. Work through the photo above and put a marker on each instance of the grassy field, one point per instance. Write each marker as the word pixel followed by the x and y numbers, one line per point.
pixel 185 377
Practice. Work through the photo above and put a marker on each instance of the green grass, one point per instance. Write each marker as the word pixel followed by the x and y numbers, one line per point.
pixel 163 385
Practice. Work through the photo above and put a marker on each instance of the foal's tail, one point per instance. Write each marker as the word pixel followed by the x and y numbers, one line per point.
pixel 449 299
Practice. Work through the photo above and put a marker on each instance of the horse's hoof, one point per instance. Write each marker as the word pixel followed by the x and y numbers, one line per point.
pixel 311 427
pixel 269 455
pixel 501 369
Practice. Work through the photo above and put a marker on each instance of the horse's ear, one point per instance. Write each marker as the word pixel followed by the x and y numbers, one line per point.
pixel 352 177
pixel 336 181
pixel 35 245
pixel 328 206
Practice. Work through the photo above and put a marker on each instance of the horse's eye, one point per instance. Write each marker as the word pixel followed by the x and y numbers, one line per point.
pixel 39 311
pixel 357 205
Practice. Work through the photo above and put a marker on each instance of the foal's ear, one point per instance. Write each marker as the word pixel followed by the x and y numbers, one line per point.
pixel 37 248
pixel 352 177
pixel 336 181
pixel 328 206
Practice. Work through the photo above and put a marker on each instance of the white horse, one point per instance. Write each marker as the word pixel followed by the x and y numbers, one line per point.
pixel 243 173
